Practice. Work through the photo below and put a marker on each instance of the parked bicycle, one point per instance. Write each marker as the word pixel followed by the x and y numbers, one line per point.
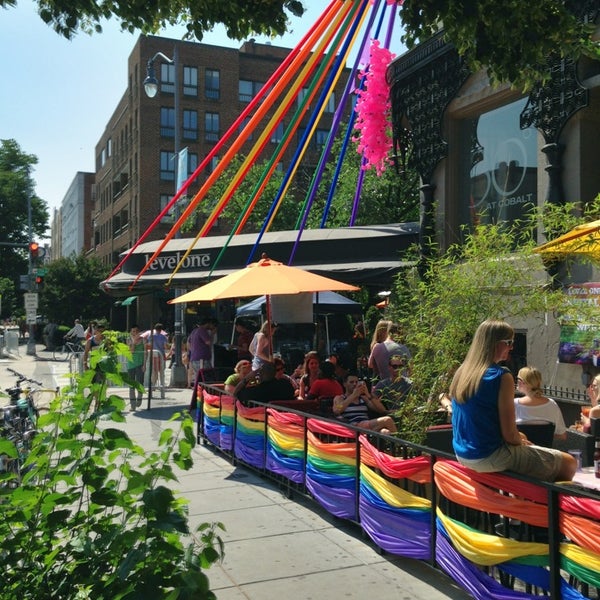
pixel 68 349
pixel 18 425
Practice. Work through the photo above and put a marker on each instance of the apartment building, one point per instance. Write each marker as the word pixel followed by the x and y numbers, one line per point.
pixel 135 166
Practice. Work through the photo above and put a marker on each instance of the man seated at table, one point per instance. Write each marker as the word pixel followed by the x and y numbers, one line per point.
pixel 353 407
pixel 261 385
pixel 393 390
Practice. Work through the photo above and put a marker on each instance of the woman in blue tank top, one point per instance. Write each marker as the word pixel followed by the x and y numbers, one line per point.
pixel 485 434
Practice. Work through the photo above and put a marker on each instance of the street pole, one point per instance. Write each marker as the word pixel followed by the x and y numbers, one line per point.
pixel 178 372
pixel 31 339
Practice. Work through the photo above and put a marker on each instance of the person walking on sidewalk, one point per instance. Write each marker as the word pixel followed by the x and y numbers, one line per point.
pixel 135 365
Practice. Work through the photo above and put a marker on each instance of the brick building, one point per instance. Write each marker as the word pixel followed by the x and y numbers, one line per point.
pixel 135 167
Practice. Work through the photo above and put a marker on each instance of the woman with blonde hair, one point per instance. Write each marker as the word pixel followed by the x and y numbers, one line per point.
pixel 534 406
pixel 377 346
pixel 485 434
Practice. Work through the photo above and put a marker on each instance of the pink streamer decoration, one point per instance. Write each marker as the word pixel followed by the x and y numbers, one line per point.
pixel 373 110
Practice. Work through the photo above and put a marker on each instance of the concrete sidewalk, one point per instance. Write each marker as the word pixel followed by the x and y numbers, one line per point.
pixel 275 547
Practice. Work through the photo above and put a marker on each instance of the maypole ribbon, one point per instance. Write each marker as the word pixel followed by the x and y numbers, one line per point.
pixel 233 130
pixel 279 84
pixel 289 99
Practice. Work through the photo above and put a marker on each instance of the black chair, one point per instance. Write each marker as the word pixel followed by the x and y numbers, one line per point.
pixel 540 433
pixel 439 437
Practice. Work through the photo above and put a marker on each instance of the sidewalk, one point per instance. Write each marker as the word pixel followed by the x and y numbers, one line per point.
pixel 275 547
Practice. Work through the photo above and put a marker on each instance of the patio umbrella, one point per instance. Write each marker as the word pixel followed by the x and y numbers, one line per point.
pixel 582 239
pixel 266 277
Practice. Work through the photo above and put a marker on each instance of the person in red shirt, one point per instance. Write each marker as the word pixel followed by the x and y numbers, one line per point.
pixel 326 385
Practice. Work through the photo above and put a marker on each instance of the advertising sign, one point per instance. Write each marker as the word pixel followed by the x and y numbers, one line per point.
pixel 580 344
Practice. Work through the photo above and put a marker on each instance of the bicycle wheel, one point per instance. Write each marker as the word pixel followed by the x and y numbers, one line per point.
pixel 61 352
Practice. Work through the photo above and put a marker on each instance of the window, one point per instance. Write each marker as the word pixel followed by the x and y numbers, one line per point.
pixel 248 89
pixel 277 134
pixel 167 78
pixel 167 166
pixel 167 121
pixel 321 138
pixel 211 127
pixel 497 166
pixel 244 125
pixel 170 216
pixel 192 162
pixel 212 84
pixel 190 125
pixel 330 106
pixel 190 81
pixel 301 95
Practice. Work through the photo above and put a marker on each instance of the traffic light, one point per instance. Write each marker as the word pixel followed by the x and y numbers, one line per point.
pixel 39 281
pixel 34 249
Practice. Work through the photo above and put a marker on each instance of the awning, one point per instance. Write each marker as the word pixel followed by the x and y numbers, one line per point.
pixel 126 301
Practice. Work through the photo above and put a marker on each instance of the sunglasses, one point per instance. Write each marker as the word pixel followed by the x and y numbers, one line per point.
pixel 509 343
pixel 396 366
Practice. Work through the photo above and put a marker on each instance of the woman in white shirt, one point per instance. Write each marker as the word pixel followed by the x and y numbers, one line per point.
pixel 534 406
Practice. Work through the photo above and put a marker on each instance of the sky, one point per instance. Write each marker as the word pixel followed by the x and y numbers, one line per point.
pixel 55 101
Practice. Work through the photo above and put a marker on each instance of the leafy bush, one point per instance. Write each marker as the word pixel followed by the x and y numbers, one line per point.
pixel 93 516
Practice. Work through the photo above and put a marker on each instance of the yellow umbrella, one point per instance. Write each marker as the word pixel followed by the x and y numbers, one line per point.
pixel 582 239
pixel 266 277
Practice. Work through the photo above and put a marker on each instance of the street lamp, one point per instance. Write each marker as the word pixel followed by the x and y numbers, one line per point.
pixel 178 373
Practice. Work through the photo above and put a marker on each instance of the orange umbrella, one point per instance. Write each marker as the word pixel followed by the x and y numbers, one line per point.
pixel 582 239
pixel 266 277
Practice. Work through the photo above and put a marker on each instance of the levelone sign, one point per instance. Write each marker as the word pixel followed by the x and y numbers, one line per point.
pixel 163 264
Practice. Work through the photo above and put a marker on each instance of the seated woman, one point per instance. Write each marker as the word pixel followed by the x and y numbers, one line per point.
pixel 242 368
pixel 593 412
pixel 353 406
pixel 534 406
pixel 485 435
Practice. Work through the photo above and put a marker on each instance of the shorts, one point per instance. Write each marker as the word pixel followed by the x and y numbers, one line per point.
pixel 534 461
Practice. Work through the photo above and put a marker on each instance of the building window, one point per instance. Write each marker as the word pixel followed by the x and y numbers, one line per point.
pixel 167 166
pixel 243 125
pixel 190 81
pixel 321 138
pixel 277 134
pixel 248 89
pixel 301 95
pixel 330 106
pixel 212 84
pixel 170 216
pixel 190 125
pixel 167 78
pixel 497 166
pixel 192 162
pixel 167 121
pixel 211 127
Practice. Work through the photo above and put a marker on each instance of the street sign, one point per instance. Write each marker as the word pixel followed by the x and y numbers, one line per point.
pixel 24 281
pixel 30 318
pixel 31 302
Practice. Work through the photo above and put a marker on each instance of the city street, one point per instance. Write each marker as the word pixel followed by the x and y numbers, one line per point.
pixel 275 547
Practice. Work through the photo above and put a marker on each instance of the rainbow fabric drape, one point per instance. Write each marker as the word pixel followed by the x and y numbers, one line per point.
pixel 390 497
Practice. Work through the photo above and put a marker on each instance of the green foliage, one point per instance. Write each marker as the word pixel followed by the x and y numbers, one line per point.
pixel 16 188
pixel 482 278
pixel 8 295
pixel 241 18
pixel 512 39
pixel 71 290
pixel 93 516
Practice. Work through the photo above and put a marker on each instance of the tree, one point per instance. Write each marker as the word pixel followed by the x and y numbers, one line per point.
pixel 8 297
pixel 481 278
pixel 71 290
pixel 16 190
pixel 513 39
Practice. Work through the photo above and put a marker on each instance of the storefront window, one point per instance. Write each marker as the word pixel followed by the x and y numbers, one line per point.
pixel 499 166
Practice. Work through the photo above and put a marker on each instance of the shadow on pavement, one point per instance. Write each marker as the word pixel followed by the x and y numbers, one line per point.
pixel 159 413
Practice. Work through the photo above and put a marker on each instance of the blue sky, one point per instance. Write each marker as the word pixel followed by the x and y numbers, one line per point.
pixel 55 101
